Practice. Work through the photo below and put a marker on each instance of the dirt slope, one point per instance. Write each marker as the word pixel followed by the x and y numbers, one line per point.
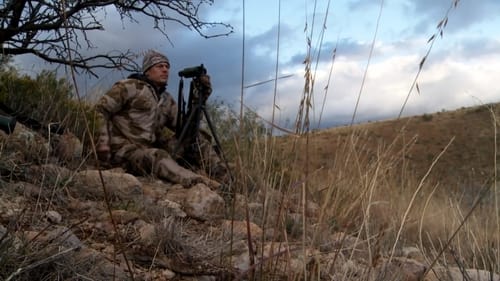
pixel 415 142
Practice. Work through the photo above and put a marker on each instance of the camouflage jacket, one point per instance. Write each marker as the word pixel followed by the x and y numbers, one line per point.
pixel 133 111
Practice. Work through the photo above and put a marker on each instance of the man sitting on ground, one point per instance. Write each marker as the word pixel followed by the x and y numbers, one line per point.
pixel 137 118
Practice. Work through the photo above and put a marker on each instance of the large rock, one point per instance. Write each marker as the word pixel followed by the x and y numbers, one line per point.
pixel 203 203
pixel 239 230
pixel 118 185
pixel 94 265
pixel 457 274
pixel 3 231
pixel 399 269
pixel 199 202
pixel 60 235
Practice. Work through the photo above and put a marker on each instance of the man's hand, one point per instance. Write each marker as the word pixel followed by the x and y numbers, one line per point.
pixel 103 151
pixel 206 85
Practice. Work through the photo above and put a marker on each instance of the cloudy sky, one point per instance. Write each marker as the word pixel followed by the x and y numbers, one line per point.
pixel 460 70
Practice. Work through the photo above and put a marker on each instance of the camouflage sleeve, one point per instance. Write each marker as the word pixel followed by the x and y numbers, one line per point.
pixel 113 100
pixel 170 110
pixel 107 105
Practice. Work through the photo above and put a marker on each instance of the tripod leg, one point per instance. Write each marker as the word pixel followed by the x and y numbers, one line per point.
pixel 218 147
pixel 181 140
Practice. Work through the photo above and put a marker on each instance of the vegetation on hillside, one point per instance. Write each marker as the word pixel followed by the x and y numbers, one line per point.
pixel 43 100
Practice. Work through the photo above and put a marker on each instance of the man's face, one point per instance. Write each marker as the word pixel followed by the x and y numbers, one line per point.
pixel 158 73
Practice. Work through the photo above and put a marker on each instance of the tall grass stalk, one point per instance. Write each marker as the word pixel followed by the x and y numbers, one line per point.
pixel 328 84
pixel 368 62
pixel 275 91
pixel 243 42
pixel 495 177
pixel 318 48
pixel 439 33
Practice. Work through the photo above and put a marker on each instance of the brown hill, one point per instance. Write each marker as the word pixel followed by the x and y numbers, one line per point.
pixel 466 138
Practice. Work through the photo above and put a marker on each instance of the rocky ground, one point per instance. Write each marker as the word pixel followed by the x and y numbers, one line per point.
pixel 60 220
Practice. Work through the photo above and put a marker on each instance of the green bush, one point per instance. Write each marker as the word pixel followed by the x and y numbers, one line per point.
pixel 40 98
pixel 44 98
pixel 427 117
pixel 229 129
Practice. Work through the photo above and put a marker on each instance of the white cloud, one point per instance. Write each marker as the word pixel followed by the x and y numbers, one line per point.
pixel 460 70
pixel 446 82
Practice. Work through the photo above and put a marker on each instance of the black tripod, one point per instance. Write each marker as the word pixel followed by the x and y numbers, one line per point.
pixel 188 123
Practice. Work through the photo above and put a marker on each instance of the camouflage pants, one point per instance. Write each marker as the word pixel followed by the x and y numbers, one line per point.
pixel 159 162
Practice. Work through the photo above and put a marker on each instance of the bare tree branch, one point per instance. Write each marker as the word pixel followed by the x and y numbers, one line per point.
pixel 41 28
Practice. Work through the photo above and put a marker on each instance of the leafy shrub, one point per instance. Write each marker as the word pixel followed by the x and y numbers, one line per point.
pixel 44 98
pixel 228 127
pixel 427 117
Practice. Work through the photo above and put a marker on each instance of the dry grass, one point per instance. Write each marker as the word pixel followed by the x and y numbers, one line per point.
pixel 397 183
pixel 391 184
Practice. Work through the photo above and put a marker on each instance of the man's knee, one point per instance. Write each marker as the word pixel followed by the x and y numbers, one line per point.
pixel 145 160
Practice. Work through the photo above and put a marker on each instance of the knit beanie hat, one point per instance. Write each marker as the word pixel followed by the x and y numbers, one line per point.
pixel 151 58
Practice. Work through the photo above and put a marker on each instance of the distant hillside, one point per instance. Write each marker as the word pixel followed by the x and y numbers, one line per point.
pixel 415 142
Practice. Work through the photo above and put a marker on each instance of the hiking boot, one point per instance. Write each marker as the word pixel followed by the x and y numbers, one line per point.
pixel 190 181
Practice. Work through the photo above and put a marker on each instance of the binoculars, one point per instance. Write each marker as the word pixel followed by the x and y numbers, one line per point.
pixel 7 124
pixel 195 71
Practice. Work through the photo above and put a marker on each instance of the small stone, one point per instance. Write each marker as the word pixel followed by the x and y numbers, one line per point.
pixel 168 274
pixel 173 208
pixel 3 231
pixel 124 216
pixel 53 217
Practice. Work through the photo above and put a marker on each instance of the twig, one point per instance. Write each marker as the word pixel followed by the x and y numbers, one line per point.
pixel 461 266
pixel 368 62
